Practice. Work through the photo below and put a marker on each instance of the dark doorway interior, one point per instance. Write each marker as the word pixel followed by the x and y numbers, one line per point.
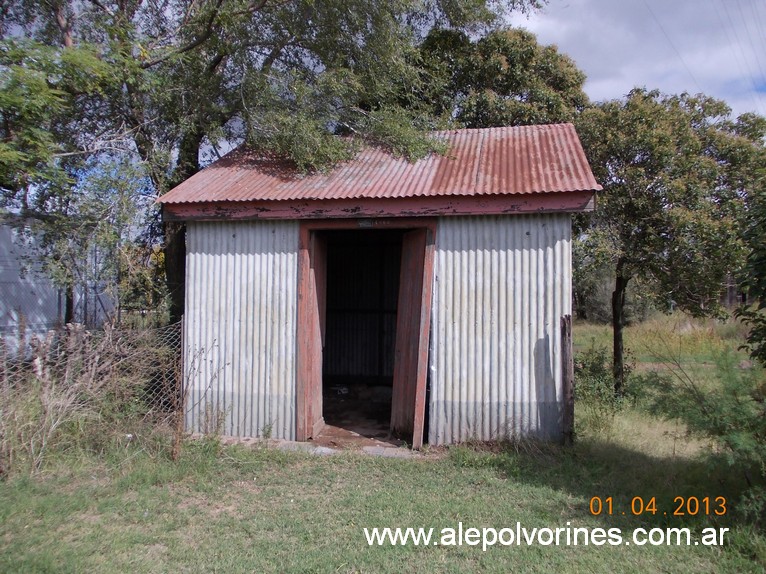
pixel 363 270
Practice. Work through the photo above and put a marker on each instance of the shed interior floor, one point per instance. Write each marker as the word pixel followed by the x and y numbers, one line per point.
pixel 358 409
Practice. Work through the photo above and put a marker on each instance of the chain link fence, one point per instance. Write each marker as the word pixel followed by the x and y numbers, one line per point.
pixel 89 389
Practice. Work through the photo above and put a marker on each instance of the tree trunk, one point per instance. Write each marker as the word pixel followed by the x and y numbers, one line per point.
pixel 579 308
pixel 175 267
pixel 618 322
pixel 175 232
pixel 65 26
pixel 69 304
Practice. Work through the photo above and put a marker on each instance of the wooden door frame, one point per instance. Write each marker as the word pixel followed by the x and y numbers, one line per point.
pixel 309 348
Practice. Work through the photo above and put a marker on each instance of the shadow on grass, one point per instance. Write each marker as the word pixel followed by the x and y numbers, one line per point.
pixel 601 469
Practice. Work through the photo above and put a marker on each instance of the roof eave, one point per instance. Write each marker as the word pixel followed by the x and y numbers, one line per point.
pixel 426 206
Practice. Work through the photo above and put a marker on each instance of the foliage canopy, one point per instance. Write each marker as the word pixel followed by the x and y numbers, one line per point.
pixel 165 84
pixel 504 78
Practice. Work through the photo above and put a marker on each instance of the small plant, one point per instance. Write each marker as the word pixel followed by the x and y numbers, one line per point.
pixel 267 430
pixel 212 430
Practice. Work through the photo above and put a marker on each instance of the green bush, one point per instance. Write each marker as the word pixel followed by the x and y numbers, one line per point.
pixel 732 413
pixel 755 318
pixel 595 400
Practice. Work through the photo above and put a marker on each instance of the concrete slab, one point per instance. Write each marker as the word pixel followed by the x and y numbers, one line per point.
pixel 389 452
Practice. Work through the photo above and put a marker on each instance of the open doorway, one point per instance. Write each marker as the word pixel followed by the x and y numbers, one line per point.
pixel 364 302
pixel 362 291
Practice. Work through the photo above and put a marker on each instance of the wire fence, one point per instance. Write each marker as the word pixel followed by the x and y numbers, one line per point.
pixel 89 387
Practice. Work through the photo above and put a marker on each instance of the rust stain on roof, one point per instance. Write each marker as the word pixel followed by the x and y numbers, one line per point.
pixel 493 161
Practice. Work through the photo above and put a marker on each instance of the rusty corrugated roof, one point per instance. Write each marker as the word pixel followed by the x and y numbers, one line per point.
pixel 491 161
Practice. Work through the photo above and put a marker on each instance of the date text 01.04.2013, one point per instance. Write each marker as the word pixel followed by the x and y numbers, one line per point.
pixel 681 506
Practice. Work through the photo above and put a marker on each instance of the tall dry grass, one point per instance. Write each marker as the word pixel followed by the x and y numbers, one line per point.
pixel 80 391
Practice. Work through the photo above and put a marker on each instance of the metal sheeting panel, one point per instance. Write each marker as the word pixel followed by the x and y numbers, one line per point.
pixel 501 285
pixel 240 327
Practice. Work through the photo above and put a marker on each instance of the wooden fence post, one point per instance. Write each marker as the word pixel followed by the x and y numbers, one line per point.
pixel 567 370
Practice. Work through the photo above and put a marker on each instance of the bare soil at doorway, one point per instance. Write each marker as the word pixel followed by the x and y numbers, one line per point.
pixel 357 416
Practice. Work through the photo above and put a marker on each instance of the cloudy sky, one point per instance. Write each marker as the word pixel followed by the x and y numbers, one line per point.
pixel 717 47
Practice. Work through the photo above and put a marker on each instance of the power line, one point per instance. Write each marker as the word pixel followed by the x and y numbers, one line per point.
pixel 758 21
pixel 672 45
pixel 757 25
pixel 737 44
pixel 755 50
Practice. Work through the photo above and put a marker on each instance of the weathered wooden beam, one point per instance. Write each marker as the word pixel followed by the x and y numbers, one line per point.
pixel 567 370
pixel 431 206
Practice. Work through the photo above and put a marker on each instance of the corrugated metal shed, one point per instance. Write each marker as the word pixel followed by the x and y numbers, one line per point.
pixel 484 283
pixel 494 161
pixel 501 285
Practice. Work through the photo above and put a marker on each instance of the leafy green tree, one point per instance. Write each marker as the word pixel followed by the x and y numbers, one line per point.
pixel 41 90
pixel 677 172
pixel 755 271
pixel 593 282
pixel 27 144
pixel 286 76
pixel 504 78
pixel 91 235
pixel 732 413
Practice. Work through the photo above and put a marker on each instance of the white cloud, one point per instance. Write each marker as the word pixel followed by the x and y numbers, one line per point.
pixel 717 47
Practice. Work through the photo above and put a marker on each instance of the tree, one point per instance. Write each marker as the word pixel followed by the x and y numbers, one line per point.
pixel 755 269
pixel 284 75
pixel 677 172
pixel 41 90
pixel 504 78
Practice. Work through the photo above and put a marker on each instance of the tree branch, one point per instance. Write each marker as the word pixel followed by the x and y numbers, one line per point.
pixel 101 6
pixel 274 54
pixel 214 63
pixel 65 26
pixel 204 37
pixel 252 8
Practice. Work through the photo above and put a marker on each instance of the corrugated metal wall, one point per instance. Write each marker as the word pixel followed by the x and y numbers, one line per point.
pixel 501 285
pixel 241 292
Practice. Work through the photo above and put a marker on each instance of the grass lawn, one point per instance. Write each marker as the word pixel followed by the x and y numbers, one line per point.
pixel 236 509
